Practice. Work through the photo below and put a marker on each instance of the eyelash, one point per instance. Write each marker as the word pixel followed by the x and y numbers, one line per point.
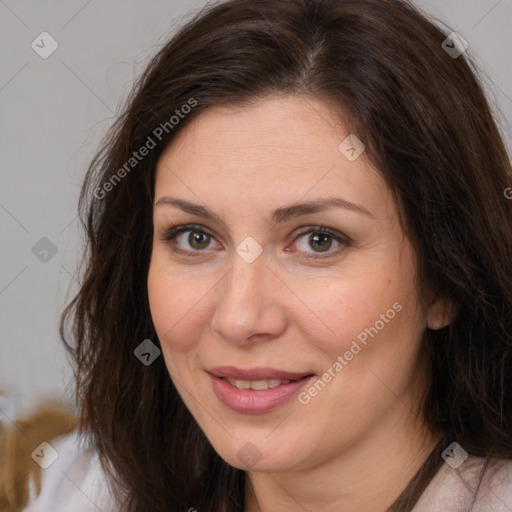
pixel 174 231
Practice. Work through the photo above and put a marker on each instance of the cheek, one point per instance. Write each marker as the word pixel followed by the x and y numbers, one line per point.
pixel 372 317
pixel 175 307
pixel 343 309
pixel 375 348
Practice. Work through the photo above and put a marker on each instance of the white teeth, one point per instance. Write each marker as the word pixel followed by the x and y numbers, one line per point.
pixel 242 384
pixel 257 385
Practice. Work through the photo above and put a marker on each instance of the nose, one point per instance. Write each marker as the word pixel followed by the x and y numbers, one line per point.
pixel 249 303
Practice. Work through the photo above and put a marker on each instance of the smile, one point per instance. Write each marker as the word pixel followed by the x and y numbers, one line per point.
pixel 256 391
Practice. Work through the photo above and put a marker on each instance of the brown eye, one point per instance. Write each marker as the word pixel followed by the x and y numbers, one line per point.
pixel 321 241
pixel 198 240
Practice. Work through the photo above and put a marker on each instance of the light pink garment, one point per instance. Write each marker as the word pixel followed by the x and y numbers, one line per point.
pixel 452 490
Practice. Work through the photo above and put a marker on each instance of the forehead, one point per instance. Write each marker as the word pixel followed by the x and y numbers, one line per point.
pixel 273 128
pixel 279 150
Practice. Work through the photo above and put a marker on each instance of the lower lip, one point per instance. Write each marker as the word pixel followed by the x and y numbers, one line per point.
pixel 255 402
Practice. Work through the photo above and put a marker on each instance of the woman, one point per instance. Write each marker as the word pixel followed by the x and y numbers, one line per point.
pixel 297 293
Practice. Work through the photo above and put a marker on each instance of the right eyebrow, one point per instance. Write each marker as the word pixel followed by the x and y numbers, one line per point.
pixel 188 207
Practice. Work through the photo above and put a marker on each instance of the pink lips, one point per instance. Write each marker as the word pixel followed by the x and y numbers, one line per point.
pixel 251 401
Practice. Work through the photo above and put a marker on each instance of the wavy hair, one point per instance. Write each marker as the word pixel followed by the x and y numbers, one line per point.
pixel 428 129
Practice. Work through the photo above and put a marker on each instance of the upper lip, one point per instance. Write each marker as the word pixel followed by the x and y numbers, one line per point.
pixel 256 373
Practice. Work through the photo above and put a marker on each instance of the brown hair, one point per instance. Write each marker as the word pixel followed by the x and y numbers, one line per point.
pixel 428 129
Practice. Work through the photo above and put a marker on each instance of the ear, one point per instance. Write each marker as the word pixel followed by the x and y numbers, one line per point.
pixel 440 313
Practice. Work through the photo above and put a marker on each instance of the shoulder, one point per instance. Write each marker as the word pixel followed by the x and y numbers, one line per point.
pixel 74 481
pixel 452 490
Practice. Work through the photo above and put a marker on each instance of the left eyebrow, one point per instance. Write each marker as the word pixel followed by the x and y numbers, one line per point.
pixel 288 212
pixel 278 216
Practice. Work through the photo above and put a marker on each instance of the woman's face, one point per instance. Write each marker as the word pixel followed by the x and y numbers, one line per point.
pixel 268 287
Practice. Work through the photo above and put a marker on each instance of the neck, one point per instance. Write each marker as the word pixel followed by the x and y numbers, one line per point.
pixel 366 477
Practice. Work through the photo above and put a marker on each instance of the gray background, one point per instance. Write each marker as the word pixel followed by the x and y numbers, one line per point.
pixel 54 112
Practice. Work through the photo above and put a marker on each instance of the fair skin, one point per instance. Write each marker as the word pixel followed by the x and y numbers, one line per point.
pixel 356 444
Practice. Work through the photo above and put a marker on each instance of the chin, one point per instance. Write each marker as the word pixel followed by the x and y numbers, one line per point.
pixel 251 456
